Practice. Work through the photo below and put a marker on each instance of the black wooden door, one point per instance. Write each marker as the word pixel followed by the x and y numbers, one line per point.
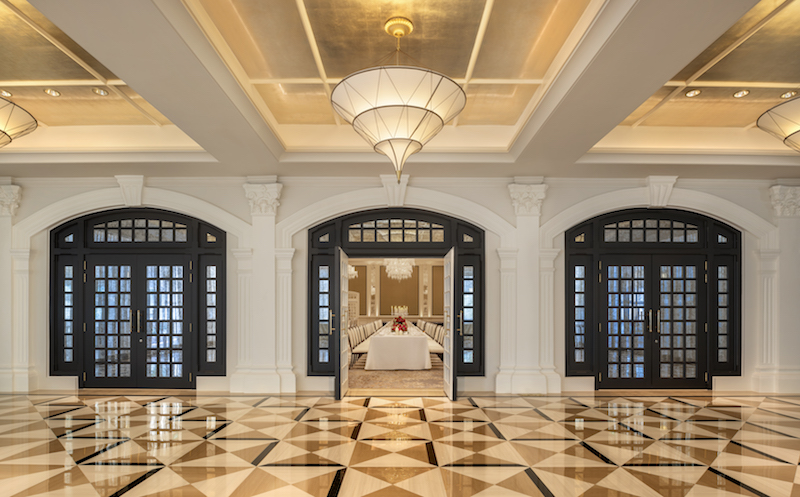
pixel 139 326
pixel 652 313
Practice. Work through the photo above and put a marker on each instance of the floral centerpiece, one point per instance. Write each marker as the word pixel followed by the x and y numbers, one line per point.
pixel 399 325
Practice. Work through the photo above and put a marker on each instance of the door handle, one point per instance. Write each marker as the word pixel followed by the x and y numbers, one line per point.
pixel 138 321
pixel 330 323
pixel 461 323
pixel 650 320
pixel 658 321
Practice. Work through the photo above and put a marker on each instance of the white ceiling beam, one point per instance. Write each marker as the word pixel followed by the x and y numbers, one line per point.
pixel 476 47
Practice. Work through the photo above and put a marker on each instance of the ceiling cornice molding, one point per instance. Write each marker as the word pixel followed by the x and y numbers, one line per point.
pixel 444 182
pixel 103 157
pixel 678 159
pixel 81 182
pixel 332 181
pixel 595 182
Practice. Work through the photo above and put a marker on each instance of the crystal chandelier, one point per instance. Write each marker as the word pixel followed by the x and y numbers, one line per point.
pixel 351 272
pixel 399 269
pixel 14 122
pixel 398 109
pixel 783 122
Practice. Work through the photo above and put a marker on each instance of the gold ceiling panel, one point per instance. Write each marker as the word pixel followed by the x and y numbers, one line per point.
pixel 350 33
pixel 495 104
pixel 716 107
pixel 749 20
pixel 297 103
pixel 647 106
pixel 770 55
pixel 31 56
pixel 144 105
pixel 77 106
pixel 539 27
pixel 267 38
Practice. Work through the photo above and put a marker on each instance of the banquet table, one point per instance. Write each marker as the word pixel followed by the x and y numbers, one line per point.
pixel 390 351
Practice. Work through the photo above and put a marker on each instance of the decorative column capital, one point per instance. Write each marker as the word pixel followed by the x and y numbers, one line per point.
pixel 263 198
pixel 527 199
pixel 10 196
pixel 785 200
pixel 660 189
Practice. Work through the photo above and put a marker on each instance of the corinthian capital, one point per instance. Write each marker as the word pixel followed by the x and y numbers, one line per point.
pixel 9 199
pixel 263 198
pixel 527 199
pixel 785 200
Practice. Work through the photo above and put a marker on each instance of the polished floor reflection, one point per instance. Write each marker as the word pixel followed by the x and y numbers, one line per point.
pixel 247 446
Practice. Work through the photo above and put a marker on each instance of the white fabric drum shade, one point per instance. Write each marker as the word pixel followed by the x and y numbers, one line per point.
pixel 14 122
pixel 783 122
pixel 397 109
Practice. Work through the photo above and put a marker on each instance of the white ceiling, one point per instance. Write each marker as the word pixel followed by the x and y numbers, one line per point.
pixel 622 60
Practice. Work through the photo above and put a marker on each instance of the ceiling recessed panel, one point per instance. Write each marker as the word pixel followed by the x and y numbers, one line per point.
pixel 648 105
pixel 495 104
pixel 297 103
pixel 770 55
pixel 540 28
pixel 77 106
pixel 350 33
pixel 716 107
pixel 267 38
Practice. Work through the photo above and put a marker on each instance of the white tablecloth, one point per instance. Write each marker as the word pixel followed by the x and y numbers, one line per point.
pixel 388 351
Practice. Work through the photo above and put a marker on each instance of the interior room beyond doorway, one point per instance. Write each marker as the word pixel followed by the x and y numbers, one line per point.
pixel 380 290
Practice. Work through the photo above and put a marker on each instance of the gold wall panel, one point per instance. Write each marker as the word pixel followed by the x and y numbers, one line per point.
pixel 267 38
pixel 77 106
pixel 539 29
pixel 769 55
pixel 403 292
pixel 715 107
pixel 350 33
pixel 359 285
pixel 495 104
pixel 297 104
pixel 437 309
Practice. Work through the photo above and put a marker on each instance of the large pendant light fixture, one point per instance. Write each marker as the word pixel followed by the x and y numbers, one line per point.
pixel 399 269
pixel 398 109
pixel 14 122
pixel 783 122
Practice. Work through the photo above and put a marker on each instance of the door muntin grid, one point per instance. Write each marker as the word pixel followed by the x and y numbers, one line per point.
pixel 165 320
pixel 678 325
pixel 626 322
pixel 112 320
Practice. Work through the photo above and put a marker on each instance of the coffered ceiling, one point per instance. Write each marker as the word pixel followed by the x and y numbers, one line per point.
pixel 554 87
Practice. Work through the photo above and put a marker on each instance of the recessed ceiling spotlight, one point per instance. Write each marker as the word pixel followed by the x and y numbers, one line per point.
pixel 52 92
pixel 693 93
pixel 100 91
pixel 741 93
pixel 5 94
pixel 788 94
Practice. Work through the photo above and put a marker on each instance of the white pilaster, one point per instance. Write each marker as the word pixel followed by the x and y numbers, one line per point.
pixel 244 275
pixel 9 203
pixel 259 373
pixel 508 320
pixel 765 379
pixel 547 325
pixel 528 375
pixel 284 319
pixel 23 375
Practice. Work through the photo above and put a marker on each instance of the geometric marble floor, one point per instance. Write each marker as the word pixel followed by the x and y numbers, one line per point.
pixel 246 446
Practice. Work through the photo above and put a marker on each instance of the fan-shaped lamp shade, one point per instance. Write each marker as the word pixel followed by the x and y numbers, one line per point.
pixel 398 109
pixel 14 122
pixel 783 122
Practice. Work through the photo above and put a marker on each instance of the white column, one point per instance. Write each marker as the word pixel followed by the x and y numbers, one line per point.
pixel 547 325
pixel 284 319
pixel 259 373
pixel 22 373
pixel 527 199
pixel 508 319
pixel 9 202
pixel 244 274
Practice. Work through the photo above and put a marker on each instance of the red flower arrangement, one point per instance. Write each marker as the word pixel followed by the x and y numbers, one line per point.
pixel 399 324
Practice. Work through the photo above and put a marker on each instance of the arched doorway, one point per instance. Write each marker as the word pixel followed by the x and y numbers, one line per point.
pixel 653 299
pixel 397 232
pixel 137 299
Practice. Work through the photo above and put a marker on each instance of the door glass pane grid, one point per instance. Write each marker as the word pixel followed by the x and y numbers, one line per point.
pixel 139 230
pixel 112 321
pixel 69 314
pixel 468 314
pixel 723 313
pixel 211 313
pixel 324 310
pixel 164 321
pixel 580 314
pixel 395 231
pixel 651 231
pixel 626 316
pixel 677 323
